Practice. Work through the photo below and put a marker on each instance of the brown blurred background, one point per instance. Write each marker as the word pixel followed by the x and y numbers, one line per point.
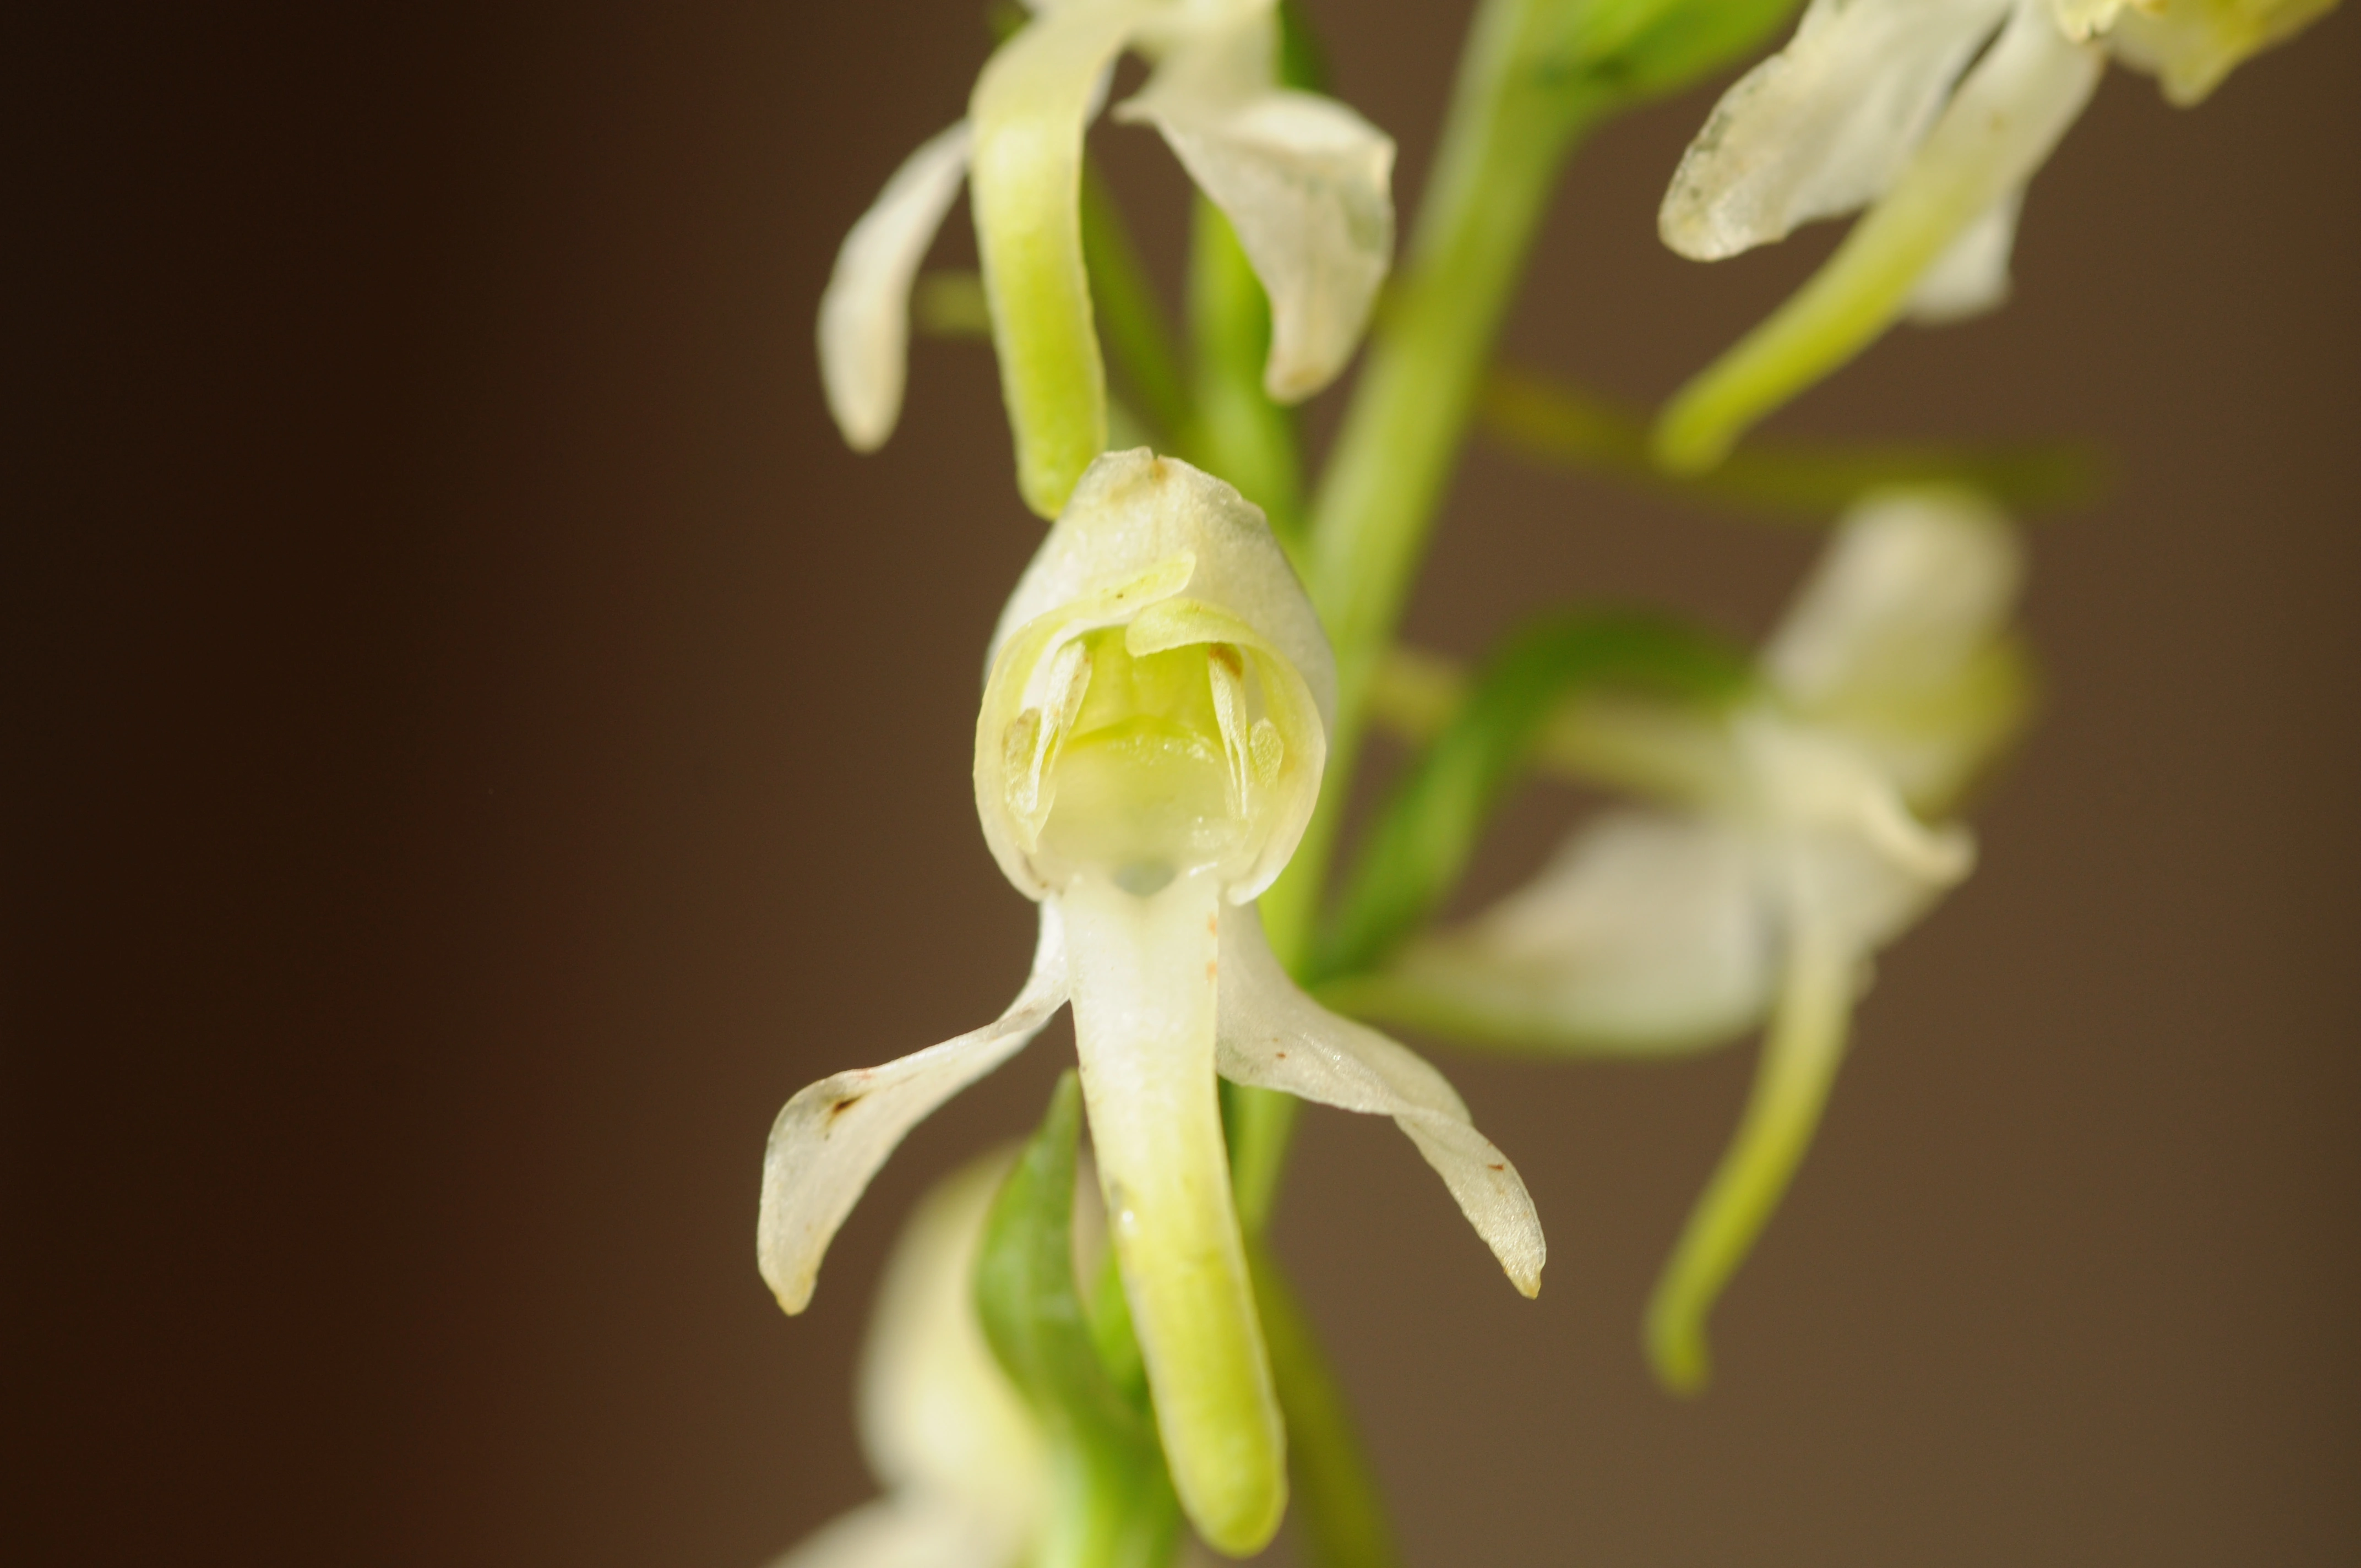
pixel 478 743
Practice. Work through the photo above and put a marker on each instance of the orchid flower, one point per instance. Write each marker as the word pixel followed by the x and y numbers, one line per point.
pixel 962 1464
pixel 1149 751
pixel 1302 178
pixel 1654 930
pixel 1933 115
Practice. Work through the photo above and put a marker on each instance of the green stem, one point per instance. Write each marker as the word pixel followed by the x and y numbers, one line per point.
pixel 1239 432
pixel 1556 421
pixel 1515 113
pixel 1131 321
pixel 1343 1514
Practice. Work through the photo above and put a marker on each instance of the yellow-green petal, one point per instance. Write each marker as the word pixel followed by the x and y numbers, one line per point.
pixel 1028 111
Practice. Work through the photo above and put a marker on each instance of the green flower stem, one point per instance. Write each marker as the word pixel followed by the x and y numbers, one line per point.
pixel 1342 1509
pixel 1809 482
pixel 1105 1514
pixel 1515 113
pixel 1239 432
pixel 1257 1125
pixel 1130 317
pixel 1650 747
pixel 1513 117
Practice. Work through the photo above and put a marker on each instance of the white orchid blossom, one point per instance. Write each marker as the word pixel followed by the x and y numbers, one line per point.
pixel 1303 180
pixel 1934 115
pixel 1149 751
pixel 1888 685
pixel 964 1467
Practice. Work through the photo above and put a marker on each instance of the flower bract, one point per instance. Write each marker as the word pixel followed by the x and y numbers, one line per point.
pixel 1303 180
pixel 1149 751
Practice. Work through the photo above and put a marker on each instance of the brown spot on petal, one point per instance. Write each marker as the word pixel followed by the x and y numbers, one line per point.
pixel 847 1103
pixel 1496 1167
pixel 1283 1055
pixel 1212 967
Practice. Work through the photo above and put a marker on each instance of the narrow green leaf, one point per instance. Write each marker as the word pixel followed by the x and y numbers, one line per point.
pixel 1239 432
pixel 1302 56
pixel 1132 321
pixel 1419 844
pixel 1025 1289
pixel 1111 1502
pixel 951 304
pixel 1555 423
pixel 1646 49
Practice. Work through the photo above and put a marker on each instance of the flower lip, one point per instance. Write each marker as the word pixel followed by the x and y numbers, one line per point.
pixel 1158 693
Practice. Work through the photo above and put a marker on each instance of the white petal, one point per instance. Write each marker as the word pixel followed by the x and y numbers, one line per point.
pixel 1972 277
pixel 1144 1029
pixel 1304 181
pixel 830 1138
pixel 1850 857
pixel 1274 1037
pixel 864 316
pixel 1647 933
pixel 1899 641
pixel 905 1532
pixel 1914 584
pixel 1823 125
pixel 937 1415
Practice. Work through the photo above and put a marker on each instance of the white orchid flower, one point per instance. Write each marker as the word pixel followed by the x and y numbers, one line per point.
pixel 1149 751
pixel 1888 684
pixel 963 1465
pixel 1303 180
pixel 1933 115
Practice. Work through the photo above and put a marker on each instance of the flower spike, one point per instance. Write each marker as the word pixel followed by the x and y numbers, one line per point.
pixel 1148 753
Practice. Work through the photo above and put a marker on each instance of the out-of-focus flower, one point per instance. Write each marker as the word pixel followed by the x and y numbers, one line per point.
pixel 1933 115
pixel 1302 178
pixel 958 1453
pixel 1149 751
pixel 1889 683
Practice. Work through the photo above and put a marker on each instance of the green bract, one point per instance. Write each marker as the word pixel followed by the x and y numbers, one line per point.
pixel 1303 180
pixel 1150 747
